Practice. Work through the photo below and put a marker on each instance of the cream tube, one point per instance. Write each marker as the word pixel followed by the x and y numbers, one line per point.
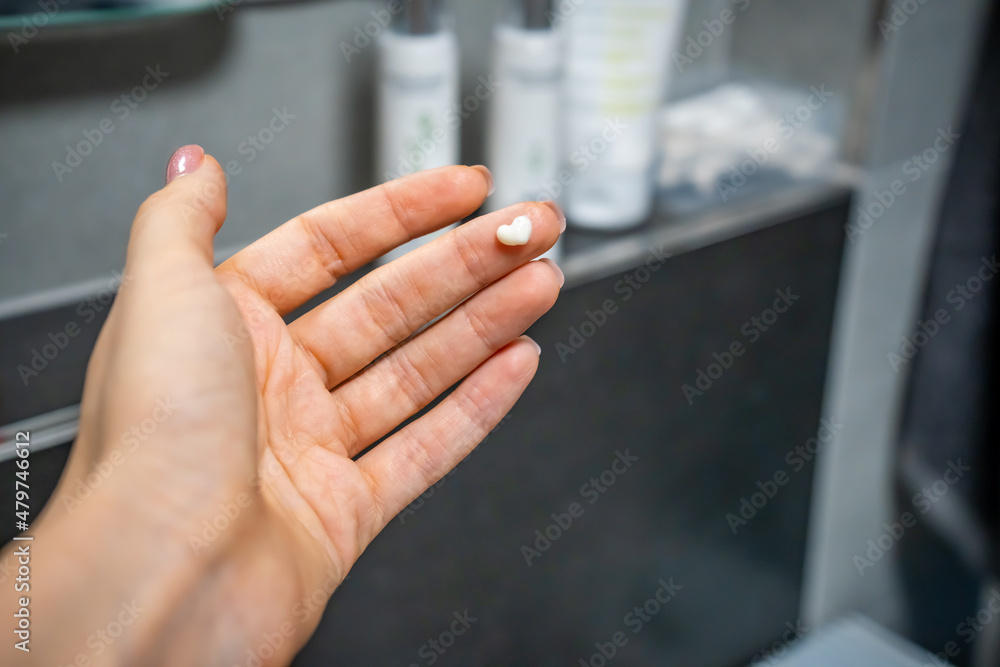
pixel 617 64
pixel 417 127
pixel 523 148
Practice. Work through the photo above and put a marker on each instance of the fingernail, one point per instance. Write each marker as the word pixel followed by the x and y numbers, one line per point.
pixel 185 160
pixel 555 267
pixel 488 175
pixel 532 341
pixel 559 213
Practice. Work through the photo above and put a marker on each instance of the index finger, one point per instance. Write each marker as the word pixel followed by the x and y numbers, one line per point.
pixel 307 254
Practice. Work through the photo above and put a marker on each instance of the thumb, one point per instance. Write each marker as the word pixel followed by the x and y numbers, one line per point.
pixel 177 224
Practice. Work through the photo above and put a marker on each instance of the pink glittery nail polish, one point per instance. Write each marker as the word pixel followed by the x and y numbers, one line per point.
pixel 185 160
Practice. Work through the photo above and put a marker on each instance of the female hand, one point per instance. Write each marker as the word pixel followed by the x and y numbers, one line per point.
pixel 215 495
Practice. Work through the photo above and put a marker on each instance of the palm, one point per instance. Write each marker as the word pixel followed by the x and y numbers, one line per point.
pixel 327 386
pixel 322 400
pixel 304 460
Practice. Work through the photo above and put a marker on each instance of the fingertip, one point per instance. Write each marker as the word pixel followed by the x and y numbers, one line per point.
pixel 529 339
pixel 196 182
pixel 185 160
pixel 488 176
pixel 560 215
pixel 528 357
pixel 188 211
pixel 517 362
pixel 555 269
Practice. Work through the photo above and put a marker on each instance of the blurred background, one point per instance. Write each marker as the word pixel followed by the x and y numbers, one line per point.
pixel 763 430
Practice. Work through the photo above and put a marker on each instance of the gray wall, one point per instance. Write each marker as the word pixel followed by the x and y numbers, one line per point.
pixel 922 84
pixel 225 78
pixel 226 75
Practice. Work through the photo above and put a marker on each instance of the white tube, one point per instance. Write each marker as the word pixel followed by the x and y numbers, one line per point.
pixel 417 127
pixel 523 140
pixel 616 73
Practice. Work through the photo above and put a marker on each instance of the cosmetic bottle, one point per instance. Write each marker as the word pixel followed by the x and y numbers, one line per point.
pixel 417 99
pixel 523 138
pixel 617 66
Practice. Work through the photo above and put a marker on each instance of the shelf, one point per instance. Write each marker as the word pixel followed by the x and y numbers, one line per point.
pixel 590 256
pixel 82 13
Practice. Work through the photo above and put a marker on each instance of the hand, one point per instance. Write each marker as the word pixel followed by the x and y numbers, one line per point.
pixel 215 495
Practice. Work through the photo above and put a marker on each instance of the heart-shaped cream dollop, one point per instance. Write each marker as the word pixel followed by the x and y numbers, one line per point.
pixel 518 232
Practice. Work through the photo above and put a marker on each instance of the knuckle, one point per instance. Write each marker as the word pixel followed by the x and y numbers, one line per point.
pixel 413 384
pixel 470 255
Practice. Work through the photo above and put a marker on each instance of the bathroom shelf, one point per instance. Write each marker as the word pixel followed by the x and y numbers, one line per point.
pixel 590 256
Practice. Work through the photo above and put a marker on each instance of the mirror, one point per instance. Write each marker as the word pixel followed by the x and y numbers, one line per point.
pixel 25 17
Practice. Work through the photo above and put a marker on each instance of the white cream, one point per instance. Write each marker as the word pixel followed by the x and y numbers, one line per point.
pixel 518 232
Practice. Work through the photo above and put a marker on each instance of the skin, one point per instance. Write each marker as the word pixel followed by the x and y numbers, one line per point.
pixel 265 421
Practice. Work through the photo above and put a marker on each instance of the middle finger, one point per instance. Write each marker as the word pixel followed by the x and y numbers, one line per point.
pixel 348 331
